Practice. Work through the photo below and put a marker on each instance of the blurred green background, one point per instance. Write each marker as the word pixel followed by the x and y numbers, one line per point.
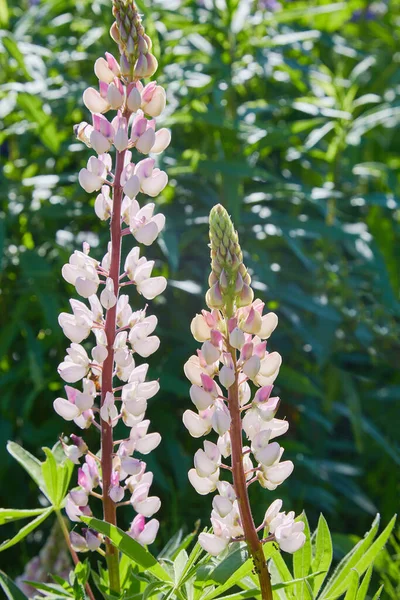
pixel 288 114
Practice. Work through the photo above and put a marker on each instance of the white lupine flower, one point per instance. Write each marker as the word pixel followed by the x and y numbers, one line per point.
pixel 213 544
pixel 226 376
pixel 207 461
pixel 221 419
pixel 198 424
pixel 144 226
pixel 75 364
pixel 290 534
pixel 203 485
pixel 103 204
pixel 93 177
pixel 107 297
pixel 94 101
pixel 152 180
pixel 108 411
pixel 224 444
pixel 81 271
pixel 76 327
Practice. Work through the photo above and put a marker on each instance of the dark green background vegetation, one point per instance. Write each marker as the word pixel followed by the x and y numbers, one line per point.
pixel 290 119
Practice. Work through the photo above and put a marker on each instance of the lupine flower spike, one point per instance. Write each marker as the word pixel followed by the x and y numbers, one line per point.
pixel 232 361
pixel 121 335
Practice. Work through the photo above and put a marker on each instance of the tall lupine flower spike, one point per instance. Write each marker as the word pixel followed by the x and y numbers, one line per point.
pixel 233 355
pixel 121 335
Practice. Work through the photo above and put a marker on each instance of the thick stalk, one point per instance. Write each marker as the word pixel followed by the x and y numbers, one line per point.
pixel 74 555
pixel 239 482
pixel 107 448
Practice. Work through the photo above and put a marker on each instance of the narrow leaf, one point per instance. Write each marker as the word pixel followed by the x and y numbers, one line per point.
pixel 362 592
pixel 29 462
pixel 13 514
pixel 302 563
pixel 353 581
pixel 11 591
pixel 130 547
pixel 323 554
pixel 26 529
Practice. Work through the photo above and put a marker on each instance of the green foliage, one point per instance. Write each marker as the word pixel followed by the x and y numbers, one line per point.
pixel 288 119
pixel 195 575
pixel 51 476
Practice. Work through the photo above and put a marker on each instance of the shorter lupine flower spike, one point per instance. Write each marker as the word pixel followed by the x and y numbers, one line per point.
pixel 232 379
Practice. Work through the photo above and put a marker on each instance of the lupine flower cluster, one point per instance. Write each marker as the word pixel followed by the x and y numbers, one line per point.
pixel 232 360
pixel 109 373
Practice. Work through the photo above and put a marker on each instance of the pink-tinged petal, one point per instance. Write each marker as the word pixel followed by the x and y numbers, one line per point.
pixel 269 324
pixel 153 101
pixel 121 140
pixel 99 142
pixel 162 141
pixel 134 99
pixel 202 485
pixel 94 102
pixel 103 71
pixel 200 398
pixel 114 96
pixel 78 542
pixel 89 181
pixel 147 507
pixel 149 533
pixel 146 141
pixel 195 424
pixel 65 409
pixel 270 364
pixel 153 185
pixel 70 372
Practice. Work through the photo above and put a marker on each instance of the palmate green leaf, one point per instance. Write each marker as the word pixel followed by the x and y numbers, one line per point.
pixel 360 558
pixel 7 515
pixel 323 552
pixel 12 592
pixel 27 529
pixel 57 475
pixel 130 547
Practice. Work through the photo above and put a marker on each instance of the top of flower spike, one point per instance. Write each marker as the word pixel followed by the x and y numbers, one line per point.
pixel 229 280
pixel 134 44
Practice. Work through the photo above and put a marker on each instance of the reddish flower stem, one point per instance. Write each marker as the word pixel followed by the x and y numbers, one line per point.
pixel 107 445
pixel 239 481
